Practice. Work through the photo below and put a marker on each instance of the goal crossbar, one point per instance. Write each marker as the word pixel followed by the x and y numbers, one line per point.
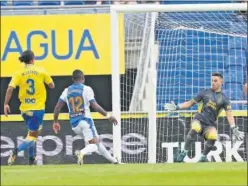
pixel 179 8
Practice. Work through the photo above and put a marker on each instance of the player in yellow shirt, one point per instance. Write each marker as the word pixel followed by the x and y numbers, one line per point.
pixel 32 95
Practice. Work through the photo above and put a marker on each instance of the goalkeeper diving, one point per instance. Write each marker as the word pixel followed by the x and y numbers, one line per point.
pixel 212 101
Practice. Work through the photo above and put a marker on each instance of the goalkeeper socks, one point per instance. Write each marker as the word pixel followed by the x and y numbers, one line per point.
pixel 185 151
pixel 31 150
pixel 189 139
pixel 89 149
pixel 104 152
pixel 208 147
pixel 26 144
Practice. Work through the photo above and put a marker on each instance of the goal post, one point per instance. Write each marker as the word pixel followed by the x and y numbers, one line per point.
pixel 140 110
pixel 116 101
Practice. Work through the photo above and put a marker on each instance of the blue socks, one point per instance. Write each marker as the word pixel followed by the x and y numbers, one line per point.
pixel 31 150
pixel 26 144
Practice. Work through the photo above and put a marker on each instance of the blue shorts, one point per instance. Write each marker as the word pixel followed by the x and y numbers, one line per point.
pixel 33 119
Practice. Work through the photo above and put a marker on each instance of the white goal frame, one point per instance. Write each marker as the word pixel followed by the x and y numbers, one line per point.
pixel 115 55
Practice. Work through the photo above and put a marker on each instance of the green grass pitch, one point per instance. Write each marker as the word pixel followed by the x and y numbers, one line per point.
pixel 127 174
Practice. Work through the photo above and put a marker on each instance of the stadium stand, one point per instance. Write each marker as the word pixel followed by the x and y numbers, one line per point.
pixel 107 2
pixel 88 2
pixel 74 2
pixel 233 61
pixel 22 3
pixel 49 3
pixel 3 3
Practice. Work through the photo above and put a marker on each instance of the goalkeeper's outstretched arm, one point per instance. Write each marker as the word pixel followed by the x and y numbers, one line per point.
pixel 99 109
pixel 172 106
pixel 186 104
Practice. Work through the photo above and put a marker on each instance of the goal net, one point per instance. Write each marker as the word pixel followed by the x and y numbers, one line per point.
pixel 170 56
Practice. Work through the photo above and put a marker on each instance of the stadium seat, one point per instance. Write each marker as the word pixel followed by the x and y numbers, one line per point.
pixel 197 62
pixel 236 106
pixel 233 90
pixel 235 61
pixel 74 2
pixel 178 90
pixel 146 2
pixel 48 3
pixel 233 86
pixel 183 81
pixel 174 2
pixel 244 106
pixel 234 76
pixel 3 3
pixel 22 3
pixel 237 53
pixel 205 41
pixel 207 48
pixel 240 68
pixel 107 2
pixel 237 43
pixel 233 94
pixel 89 2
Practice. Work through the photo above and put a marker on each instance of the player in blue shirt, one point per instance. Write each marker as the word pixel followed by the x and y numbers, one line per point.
pixel 79 98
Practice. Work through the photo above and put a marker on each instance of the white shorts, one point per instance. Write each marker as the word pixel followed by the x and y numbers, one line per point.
pixel 86 129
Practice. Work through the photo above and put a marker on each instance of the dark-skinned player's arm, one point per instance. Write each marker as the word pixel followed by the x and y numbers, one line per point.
pixel 60 104
pixel 173 107
pixel 56 126
pixel 239 135
pixel 93 103
pixel 100 110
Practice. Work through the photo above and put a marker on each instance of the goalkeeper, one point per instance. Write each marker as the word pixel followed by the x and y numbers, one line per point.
pixel 212 101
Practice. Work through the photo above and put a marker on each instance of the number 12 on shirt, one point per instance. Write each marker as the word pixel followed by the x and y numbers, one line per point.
pixel 76 104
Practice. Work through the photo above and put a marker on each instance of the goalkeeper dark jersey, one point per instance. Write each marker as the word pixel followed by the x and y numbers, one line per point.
pixel 211 105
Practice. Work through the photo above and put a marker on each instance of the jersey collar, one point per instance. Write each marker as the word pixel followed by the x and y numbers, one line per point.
pixel 29 65
pixel 78 83
pixel 216 92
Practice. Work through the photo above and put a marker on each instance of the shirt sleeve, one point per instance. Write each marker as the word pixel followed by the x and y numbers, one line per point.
pixel 63 97
pixel 198 97
pixel 90 95
pixel 47 78
pixel 15 81
pixel 227 104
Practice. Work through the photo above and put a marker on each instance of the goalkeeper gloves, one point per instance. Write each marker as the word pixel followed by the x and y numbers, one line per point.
pixel 239 135
pixel 171 106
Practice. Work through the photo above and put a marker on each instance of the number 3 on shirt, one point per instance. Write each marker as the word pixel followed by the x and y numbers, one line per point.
pixel 31 89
